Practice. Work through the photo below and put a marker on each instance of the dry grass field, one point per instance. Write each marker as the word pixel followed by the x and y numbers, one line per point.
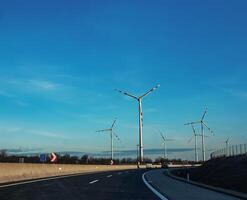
pixel 12 172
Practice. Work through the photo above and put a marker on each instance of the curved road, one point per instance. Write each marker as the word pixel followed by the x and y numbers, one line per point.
pixel 121 185
pixel 117 185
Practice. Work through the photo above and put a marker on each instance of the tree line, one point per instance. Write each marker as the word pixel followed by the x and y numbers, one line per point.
pixel 85 159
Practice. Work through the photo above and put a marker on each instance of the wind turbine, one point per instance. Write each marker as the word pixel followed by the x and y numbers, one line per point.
pixel 139 99
pixel 227 145
pixel 194 136
pixel 112 133
pixel 201 122
pixel 164 143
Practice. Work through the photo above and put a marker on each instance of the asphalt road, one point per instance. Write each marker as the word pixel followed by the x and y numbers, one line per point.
pixel 177 190
pixel 127 185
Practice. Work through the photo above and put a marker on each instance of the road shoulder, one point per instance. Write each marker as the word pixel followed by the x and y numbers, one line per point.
pixel 217 189
pixel 179 190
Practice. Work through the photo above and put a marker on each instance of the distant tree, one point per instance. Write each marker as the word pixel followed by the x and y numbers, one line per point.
pixel 74 160
pixel 147 160
pixel 3 153
pixel 160 160
pixel 84 159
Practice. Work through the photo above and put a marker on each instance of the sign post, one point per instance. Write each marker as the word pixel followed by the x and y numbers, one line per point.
pixel 42 158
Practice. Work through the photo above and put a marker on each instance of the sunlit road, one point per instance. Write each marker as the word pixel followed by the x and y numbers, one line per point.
pixel 177 190
pixel 125 185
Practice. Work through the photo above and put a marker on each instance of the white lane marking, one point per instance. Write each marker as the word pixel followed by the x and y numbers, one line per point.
pixel 92 182
pixel 152 189
pixel 109 176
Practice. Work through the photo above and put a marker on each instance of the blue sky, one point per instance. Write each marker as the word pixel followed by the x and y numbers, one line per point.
pixel 60 62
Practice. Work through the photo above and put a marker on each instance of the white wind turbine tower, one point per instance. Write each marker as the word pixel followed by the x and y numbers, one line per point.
pixel 139 99
pixel 201 122
pixel 195 137
pixel 112 133
pixel 227 145
pixel 164 143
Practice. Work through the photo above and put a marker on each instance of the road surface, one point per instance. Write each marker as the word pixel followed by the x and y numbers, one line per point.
pixel 121 185
pixel 117 185
pixel 177 190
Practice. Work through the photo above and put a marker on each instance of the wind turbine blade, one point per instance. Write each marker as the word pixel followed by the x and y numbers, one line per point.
pixel 113 123
pixel 116 136
pixel 127 94
pixel 104 130
pixel 207 128
pixel 148 92
pixel 197 122
pixel 162 135
pixel 204 114
pixel 193 128
pixel 189 141
pixel 188 124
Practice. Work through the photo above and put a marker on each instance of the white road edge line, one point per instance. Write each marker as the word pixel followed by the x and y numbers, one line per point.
pixel 152 189
pixel 92 182
pixel 109 176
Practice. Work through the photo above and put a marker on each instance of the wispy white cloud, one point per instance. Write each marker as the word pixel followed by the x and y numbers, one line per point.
pixel 235 92
pixel 13 129
pixel 44 133
pixel 43 85
pixel 19 89
pixel 27 84
pixel 47 134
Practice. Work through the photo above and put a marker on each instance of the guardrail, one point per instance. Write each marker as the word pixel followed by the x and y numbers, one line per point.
pixel 234 150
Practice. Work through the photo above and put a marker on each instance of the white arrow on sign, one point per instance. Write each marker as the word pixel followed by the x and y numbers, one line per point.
pixel 53 157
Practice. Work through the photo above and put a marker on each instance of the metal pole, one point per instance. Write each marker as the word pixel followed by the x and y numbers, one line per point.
pixel 140 131
pixel 111 145
pixel 203 146
pixel 196 155
pixel 165 150
pixel 137 157
pixel 227 153
pixel 164 156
